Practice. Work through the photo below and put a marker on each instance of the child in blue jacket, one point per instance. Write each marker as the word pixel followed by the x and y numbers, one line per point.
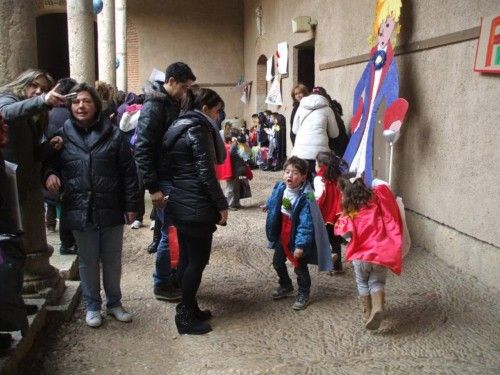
pixel 296 231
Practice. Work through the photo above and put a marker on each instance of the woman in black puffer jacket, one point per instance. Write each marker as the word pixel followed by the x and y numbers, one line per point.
pixel 97 174
pixel 196 202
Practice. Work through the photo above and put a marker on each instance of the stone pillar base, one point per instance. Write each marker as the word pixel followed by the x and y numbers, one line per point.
pixel 41 280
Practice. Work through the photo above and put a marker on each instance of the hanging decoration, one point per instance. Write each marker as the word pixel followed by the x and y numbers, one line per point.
pixel 269 69
pixel 243 87
pixel 97 6
pixel 282 53
pixel 117 63
pixel 274 95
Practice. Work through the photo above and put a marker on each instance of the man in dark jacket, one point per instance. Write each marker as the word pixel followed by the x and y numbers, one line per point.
pixel 97 174
pixel 161 108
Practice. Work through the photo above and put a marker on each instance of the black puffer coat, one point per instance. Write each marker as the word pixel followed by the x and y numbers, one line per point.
pixel 158 112
pixel 196 196
pixel 97 173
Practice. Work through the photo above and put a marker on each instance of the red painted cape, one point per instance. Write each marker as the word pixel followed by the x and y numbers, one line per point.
pixel 376 231
pixel 330 202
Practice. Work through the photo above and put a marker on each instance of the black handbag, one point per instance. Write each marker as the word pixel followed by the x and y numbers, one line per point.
pixel 245 191
pixel 12 309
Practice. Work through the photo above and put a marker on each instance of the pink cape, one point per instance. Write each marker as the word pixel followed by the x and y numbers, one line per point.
pixel 376 231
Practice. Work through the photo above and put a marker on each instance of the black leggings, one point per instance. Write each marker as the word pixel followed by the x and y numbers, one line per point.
pixel 335 242
pixel 193 257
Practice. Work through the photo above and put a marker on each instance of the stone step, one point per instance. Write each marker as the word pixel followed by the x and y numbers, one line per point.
pixel 20 347
pixel 66 264
pixel 64 309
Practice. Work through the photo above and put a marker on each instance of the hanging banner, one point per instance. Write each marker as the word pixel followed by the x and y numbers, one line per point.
pixel 283 58
pixel 269 69
pixel 274 95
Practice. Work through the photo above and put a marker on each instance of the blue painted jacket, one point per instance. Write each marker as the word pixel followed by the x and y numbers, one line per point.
pixel 308 228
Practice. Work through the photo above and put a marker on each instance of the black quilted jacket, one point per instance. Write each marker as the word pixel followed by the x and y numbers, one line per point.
pixel 98 175
pixel 158 112
pixel 196 196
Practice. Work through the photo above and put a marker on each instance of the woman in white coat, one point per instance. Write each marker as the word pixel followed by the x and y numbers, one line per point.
pixel 314 123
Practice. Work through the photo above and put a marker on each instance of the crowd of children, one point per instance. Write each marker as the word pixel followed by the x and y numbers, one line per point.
pixel 307 223
pixel 340 208
pixel 262 146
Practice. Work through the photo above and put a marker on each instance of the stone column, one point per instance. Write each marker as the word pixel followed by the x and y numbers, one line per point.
pixel 18 53
pixel 81 40
pixel 106 43
pixel 17 38
pixel 121 43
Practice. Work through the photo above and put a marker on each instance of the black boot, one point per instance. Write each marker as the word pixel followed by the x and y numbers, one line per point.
pixel 201 315
pixel 5 341
pixel 187 323
pixel 156 238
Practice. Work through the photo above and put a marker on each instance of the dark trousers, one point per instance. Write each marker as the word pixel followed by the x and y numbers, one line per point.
pixel 302 271
pixel 51 216
pixel 193 257
pixel 142 190
pixel 311 173
pixel 65 235
pixel 335 242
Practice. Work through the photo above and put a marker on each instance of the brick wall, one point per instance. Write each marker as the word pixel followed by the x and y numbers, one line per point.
pixel 134 83
pixel 261 85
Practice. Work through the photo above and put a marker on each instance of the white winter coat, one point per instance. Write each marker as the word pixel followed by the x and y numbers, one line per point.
pixel 313 124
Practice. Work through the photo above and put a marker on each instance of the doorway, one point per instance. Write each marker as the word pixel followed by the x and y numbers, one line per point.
pixel 52 44
pixel 304 53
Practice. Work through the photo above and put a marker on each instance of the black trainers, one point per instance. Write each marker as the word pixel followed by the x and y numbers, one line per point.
pixel 301 301
pixel 282 292
pixel 152 247
pixel 68 250
pixel 168 293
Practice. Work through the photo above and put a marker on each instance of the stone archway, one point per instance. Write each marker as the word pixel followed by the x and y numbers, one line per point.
pixel 261 84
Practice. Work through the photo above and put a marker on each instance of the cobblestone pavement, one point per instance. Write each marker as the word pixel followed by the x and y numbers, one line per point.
pixel 438 320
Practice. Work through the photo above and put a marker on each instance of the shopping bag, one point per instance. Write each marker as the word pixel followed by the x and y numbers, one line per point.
pixel 173 243
pixel 245 191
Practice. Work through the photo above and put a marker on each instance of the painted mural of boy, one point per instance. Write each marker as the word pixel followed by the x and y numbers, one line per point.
pixel 378 82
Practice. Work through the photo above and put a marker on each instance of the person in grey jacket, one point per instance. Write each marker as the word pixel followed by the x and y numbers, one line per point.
pixel 24 104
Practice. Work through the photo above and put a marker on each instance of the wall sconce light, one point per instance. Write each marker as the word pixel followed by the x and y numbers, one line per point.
pixel 302 24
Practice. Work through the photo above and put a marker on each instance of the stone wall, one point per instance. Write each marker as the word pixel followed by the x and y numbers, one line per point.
pixel 17 38
pixel 207 35
pixel 446 162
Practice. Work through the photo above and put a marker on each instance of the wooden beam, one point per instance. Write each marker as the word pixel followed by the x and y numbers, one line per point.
pixel 440 41
pixel 211 84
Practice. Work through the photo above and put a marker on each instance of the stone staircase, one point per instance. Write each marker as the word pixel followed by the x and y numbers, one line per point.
pixel 53 314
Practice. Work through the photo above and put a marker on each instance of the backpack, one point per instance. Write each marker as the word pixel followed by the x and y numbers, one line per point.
pixel 339 144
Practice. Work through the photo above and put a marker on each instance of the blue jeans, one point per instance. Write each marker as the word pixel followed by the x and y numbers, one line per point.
pixel 163 273
pixel 97 246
